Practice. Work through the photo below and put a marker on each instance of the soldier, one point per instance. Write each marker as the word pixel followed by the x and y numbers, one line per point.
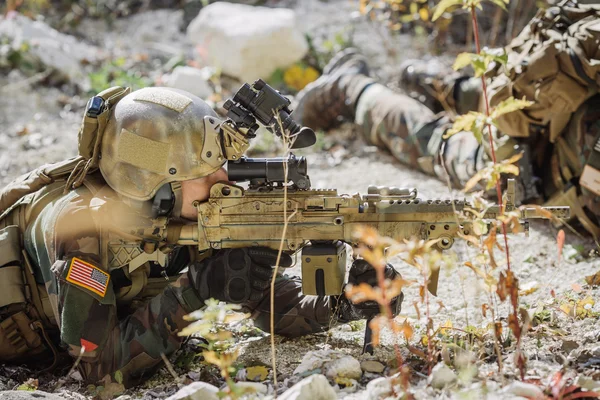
pixel 89 279
pixel 558 135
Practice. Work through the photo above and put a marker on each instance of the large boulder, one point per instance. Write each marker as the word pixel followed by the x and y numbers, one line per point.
pixel 55 50
pixel 247 42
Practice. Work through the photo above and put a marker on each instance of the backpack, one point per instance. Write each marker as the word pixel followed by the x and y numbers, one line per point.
pixel 555 63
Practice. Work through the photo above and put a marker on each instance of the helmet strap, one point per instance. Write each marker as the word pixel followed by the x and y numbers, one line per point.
pixel 178 195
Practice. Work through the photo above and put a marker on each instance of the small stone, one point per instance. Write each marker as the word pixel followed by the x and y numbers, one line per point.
pixel 441 376
pixel 248 42
pixel 372 366
pixel 26 395
pixel 196 391
pixel 333 363
pixel 254 387
pixel 379 388
pixel 315 387
pixel 190 79
pixel 526 390
pixel 592 336
pixel 569 345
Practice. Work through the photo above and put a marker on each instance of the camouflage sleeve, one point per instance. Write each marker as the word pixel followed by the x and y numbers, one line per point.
pixel 85 306
pixel 415 136
pixel 295 314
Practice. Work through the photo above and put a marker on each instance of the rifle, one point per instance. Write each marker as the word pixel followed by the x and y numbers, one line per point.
pixel 321 221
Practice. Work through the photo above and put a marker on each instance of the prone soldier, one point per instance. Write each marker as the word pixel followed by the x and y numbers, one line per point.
pixel 553 63
pixel 80 271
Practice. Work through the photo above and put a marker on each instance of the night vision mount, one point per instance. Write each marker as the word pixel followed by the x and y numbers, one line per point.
pixel 260 102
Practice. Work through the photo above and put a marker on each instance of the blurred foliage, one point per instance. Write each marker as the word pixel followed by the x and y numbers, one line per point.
pixel 18 58
pixel 65 14
pixel 417 16
pixel 298 76
pixel 117 73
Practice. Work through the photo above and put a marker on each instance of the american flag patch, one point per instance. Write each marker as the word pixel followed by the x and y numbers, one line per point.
pixel 87 276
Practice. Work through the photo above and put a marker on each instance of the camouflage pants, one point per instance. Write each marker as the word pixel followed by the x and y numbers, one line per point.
pixel 413 134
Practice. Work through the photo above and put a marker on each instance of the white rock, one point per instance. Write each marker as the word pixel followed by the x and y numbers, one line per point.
pixel 524 390
pixel 255 387
pixel 333 363
pixel 61 52
pixel 596 352
pixel 379 388
pixel 441 376
pixel 196 391
pixel 248 42
pixel 189 79
pixel 315 387
pixel 26 395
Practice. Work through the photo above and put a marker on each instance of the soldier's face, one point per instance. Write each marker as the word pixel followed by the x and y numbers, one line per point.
pixel 198 190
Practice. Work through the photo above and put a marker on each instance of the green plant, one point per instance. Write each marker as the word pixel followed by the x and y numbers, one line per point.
pixel 214 323
pixel 117 73
pixel 507 286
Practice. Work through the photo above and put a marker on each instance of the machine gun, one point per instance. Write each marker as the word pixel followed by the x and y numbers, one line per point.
pixel 321 220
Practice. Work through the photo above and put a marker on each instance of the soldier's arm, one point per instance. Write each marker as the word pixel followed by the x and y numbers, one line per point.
pixel 295 314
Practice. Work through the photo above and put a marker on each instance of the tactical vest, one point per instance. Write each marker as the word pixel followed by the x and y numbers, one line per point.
pixel 26 311
pixel 554 63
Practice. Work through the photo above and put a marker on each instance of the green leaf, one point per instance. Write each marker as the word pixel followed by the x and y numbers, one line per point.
pixel 472 122
pixel 443 6
pixel 463 60
pixel 480 65
pixel 500 3
pixel 480 62
pixel 509 105
pixel 119 377
pixel 26 387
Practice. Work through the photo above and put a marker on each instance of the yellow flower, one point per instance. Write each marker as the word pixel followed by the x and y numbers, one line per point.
pixel 297 77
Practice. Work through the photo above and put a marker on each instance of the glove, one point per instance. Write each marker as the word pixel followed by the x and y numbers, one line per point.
pixel 362 272
pixel 236 275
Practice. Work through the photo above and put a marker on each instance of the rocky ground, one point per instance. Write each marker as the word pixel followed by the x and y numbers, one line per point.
pixel 39 123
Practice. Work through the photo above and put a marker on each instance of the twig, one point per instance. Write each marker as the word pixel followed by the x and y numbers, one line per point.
pixel 287 147
pixel 73 368
pixel 514 299
pixel 169 367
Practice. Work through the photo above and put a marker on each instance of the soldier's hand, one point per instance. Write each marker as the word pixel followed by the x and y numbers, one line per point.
pixel 236 275
pixel 362 272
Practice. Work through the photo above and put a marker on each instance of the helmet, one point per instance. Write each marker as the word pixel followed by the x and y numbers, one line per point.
pixel 156 136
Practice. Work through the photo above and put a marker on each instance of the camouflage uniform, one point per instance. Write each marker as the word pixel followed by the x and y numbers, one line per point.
pixel 130 336
pixel 414 134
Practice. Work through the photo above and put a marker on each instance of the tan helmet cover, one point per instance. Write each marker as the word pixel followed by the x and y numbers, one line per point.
pixel 153 137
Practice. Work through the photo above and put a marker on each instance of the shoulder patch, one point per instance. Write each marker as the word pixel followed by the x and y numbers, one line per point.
pixel 87 276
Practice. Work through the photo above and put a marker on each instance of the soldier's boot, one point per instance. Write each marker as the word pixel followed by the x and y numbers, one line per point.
pixel 331 99
pixel 439 87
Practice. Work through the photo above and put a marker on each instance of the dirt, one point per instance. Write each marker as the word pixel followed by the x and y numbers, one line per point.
pixel 39 124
